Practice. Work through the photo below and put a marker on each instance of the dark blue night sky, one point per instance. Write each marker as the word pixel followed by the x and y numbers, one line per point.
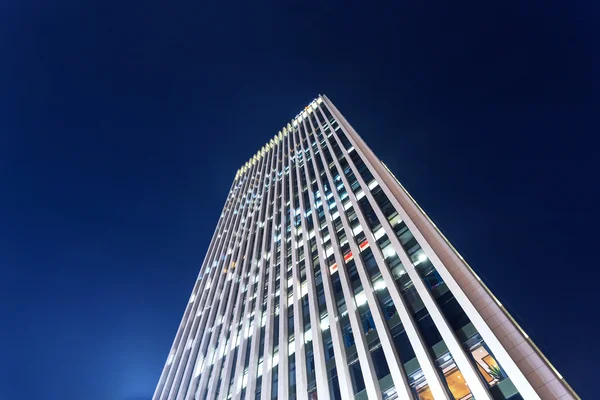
pixel 122 125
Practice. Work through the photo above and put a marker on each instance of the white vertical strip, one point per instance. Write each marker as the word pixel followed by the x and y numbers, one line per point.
pixel 477 387
pixel 299 353
pixel 283 353
pixel 315 326
pixel 385 337
pixel 191 311
pixel 513 371
pixel 425 360
pixel 262 265
pixel 423 356
pixel 368 370
pixel 204 327
pixel 341 364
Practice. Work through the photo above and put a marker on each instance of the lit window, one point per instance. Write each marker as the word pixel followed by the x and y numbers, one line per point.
pixel 361 299
pixel 396 220
pixel 419 257
pixel 245 379
pixel 198 368
pixel 325 323
pixel 379 233
pixel 329 251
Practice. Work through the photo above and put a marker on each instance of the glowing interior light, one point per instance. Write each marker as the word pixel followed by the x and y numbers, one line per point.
pixel 361 299
pixel 422 257
pixel 325 324
pixel 379 285
pixel 388 251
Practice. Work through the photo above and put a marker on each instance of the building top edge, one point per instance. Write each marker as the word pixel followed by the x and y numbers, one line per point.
pixel 283 132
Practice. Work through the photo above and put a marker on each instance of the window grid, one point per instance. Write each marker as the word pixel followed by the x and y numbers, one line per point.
pixel 317 284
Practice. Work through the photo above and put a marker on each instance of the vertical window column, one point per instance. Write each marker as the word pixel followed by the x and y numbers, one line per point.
pixel 316 334
pixel 236 278
pixel 376 314
pixel 343 380
pixel 423 355
pixel 473 379
pixel 366 366
pixel 251 320
pixel 300 387
pixel 282 354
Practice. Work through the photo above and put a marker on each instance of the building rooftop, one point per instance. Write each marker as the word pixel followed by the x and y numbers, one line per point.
pixel 284 131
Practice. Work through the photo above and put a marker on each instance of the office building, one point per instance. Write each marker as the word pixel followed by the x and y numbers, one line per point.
pixel 325 279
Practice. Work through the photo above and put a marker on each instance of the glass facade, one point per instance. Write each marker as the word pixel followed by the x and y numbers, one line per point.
pixel 316 285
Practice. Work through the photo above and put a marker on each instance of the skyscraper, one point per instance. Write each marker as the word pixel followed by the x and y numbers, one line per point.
pixel 325 279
